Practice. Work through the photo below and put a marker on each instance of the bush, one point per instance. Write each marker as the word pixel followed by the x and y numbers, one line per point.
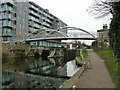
pixel 84 53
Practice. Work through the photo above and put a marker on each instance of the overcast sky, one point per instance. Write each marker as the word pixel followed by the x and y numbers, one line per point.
pixel 73 13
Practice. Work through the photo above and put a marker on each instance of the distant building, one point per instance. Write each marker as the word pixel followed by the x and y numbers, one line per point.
pixel 18 19
pixel 102 34
pixel 103 38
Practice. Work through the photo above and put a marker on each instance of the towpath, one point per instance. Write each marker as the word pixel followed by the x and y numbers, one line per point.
pixel 96 77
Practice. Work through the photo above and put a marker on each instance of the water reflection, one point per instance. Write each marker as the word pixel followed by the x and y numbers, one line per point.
pixel 52 67
pixel 71 68
pixel 36 72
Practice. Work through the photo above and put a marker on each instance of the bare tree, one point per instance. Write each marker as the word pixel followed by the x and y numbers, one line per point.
pixel 100 9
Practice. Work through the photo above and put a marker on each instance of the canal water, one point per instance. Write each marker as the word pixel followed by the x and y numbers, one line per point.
pixel 36 72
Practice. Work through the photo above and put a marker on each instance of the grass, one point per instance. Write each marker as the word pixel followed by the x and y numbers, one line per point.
pixel 112 64
pixel 84 53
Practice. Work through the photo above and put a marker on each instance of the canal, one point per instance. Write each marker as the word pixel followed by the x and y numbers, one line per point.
pixel 37 72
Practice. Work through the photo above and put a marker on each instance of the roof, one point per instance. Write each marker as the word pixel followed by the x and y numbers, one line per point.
pixel 102 30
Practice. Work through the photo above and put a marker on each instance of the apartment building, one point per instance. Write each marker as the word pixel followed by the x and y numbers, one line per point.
pixel 18 19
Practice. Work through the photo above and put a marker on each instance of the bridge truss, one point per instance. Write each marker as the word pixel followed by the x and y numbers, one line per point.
pixel 58 34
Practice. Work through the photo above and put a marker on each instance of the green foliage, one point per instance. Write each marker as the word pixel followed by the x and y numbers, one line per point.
pixel 84 53
pixel 114 32
pixel 20 49
pixel 112 64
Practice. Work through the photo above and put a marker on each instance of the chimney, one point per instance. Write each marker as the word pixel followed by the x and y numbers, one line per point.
pixel 105 27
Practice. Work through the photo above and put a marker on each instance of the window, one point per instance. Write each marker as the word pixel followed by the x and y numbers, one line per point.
pixel 4 22
pixel 7 38
pixel 7 31
pixel 4 31
pixel 4 15
pixel 15 14
pixel 10 8
pixel 9 15
pixel 14 22
pixel 9 23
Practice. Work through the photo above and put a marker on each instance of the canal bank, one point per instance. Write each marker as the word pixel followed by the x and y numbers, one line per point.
pixel 50 71
pixel 20 49
pixel 58 69
pixel 85 64
pixel 96 77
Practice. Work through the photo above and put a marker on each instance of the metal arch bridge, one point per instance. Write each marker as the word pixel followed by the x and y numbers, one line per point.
pixel 56 34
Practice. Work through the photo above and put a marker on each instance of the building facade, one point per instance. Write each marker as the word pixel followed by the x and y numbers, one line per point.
pixel 102 34
pixel 103 38
pixel 18 19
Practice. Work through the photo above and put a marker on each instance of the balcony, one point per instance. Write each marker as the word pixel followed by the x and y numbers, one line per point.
pixel 33 7
pixel 10 8
pixel 48 25
pixel 14 18
pixel 10 25
pixel 41 12
pixel 44 18
pixel 32 29
pixel 11 2
pixel 4 16
pixel 45 28
pixel 45 14
pixel 4 24
pixel 34 19
pixel 10 16
pixel 50 17
pixel 33 13
pixel 35 25
pixel 7 34
pixel 4 8
pixel 49 21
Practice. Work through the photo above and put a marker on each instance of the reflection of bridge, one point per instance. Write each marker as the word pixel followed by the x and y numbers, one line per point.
pixel 57 34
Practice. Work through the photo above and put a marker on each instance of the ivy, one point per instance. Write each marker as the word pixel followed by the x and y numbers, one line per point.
pixel 114 32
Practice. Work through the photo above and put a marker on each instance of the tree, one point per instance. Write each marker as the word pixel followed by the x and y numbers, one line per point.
pixel 100 9
pixel 114 32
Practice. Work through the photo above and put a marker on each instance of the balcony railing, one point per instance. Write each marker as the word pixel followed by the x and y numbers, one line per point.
pixel 33 7
pixel 49 21
pixel 7 34
pixel 4 16
pixel 36 14
pixel 34 19
pixel 10 1
pixel 41 12
pixel 33 29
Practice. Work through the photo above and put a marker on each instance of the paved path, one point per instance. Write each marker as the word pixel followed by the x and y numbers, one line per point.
pixel 97 77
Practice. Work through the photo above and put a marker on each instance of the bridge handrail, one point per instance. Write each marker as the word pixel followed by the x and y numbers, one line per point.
pixel 59 30
pixel 75 28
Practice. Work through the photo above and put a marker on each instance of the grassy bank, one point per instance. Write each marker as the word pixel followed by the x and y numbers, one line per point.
pixel 84 53
pixel 112 64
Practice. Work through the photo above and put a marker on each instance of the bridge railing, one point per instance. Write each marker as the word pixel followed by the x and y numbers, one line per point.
pixel 57 34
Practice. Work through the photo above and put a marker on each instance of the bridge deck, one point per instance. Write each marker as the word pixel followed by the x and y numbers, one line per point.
pixel 59 38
